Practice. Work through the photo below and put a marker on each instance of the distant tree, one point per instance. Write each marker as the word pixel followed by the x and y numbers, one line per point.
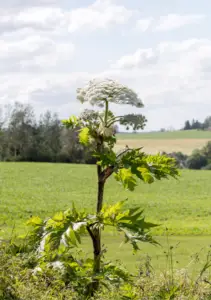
pixel 179 157
pixel 207 167
pixel 49 137
pixel 196 161
pixel 18 136
pixel 207 123
pixel 133 121
pixel 206 150
pixel 196 124
pixel 187 125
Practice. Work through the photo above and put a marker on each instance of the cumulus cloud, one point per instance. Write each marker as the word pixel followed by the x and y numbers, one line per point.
pixel 19 4
pixel 100 14
pixel 42 52
pixel 142 57
pixel 144 24
pixel 176 84
pixel 175 77
pixel 175 21
pixel 34 53
pixel 37 46
pixel 37 18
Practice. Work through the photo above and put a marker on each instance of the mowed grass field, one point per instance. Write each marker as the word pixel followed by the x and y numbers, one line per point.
pixel 153 142
pixel 183 206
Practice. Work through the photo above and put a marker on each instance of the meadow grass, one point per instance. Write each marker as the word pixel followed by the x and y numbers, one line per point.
pixel 182 206
pixel 179 134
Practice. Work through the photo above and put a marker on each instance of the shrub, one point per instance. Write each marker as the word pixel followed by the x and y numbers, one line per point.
pixel 207 167
pixel 196 161
pixel 179 157
pixel 206 150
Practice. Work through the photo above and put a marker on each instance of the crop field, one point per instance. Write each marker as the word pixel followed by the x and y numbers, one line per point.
pixel 182 206
pixel 184 141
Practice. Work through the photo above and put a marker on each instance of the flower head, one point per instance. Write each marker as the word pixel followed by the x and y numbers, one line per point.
pixel 96 92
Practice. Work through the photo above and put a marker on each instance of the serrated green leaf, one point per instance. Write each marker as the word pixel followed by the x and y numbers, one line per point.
pixel 72 122
pixel 125 176
pixel 70 237
pixel 146 175
pixel 58 217
pixel 84 136
pixel 34 221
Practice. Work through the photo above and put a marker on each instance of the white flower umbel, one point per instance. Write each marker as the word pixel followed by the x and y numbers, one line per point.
pixel 97 92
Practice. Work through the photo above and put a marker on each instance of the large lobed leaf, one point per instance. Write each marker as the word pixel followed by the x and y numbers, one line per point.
pixel 133 164
pixel 130 222
pixel 62 230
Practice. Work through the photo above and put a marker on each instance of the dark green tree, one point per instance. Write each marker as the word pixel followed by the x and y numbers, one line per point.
pixel 187 125
pixel 196 161
pixel 134 121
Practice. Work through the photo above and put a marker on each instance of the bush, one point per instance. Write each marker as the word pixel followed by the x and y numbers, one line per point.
pixel 21 280
pixel 208 167
pixel 179 157
pixel 196 161
pixel 206 150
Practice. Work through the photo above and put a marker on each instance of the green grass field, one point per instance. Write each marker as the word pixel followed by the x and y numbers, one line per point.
pixel 183 134
pixel 182 206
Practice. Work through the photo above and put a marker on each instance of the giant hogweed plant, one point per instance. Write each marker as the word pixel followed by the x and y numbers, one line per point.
pixel 57 236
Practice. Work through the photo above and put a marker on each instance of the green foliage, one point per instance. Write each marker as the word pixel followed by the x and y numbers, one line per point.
pixel 72 122
pixel 54 238
pixel 125 176
pixel 134 164
pixel 206 150
pixel 130 222
pixel 84 136
pixel 21 279
pixel 196 161
pixel 207 167
pixel 26 138
pixel 64 230
pixel 195 124
pixel 60 231
pixel 135 121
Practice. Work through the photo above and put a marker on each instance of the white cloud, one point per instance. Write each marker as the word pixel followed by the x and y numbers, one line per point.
pixel 43 58
pixel 144 24
pixel 101 14
pixel 142 57
pixel 174 21
pixel 177 76
pixel 37 48
pixel 19 4
pixel 34 53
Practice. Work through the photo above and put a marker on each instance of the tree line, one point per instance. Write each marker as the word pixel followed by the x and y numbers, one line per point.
pixel 200 159
pixel 23 137
pixel 195 124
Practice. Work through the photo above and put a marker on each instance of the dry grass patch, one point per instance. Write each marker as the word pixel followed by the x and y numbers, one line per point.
pixel 168 145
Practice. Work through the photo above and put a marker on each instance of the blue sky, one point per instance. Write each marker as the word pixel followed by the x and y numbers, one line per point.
pixel 161 49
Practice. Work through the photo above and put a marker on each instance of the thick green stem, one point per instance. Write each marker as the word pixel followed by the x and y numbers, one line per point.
pixel 106 112
pixel 96 241
pixel 95 233
pixel 101 185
